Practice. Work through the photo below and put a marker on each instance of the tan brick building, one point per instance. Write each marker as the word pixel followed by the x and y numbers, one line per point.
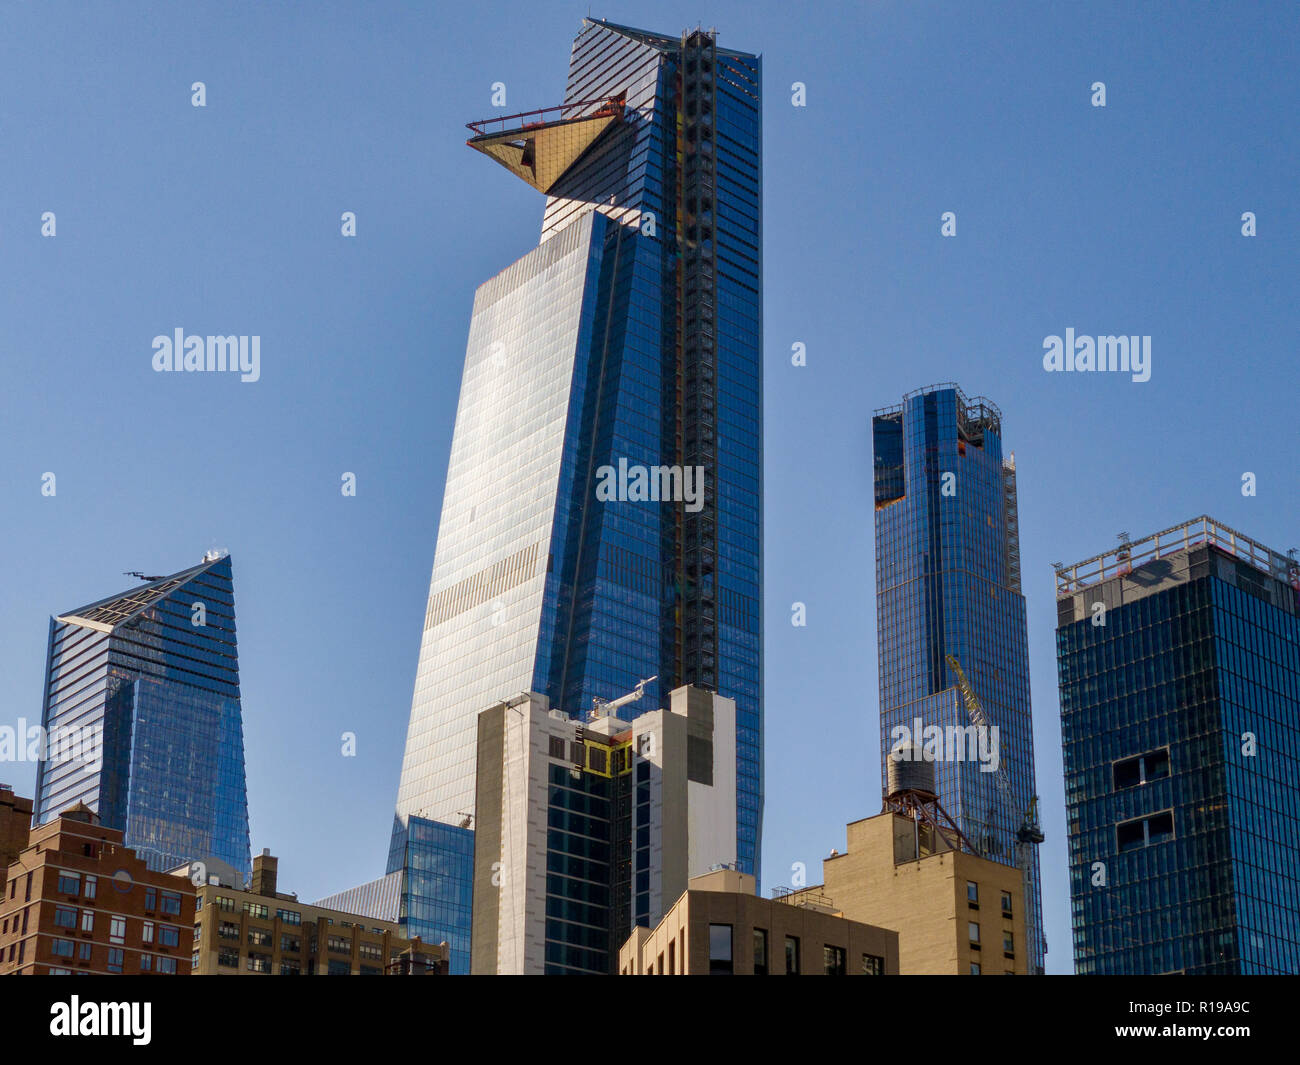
pixel 76 900
pixel 719 926
pixel 262 932
pixel 956 913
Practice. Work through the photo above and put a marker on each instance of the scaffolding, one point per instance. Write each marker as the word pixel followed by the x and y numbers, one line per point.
pixel 1200 531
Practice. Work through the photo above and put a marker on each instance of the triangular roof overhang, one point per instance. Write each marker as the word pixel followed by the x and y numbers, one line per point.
pixel 541 153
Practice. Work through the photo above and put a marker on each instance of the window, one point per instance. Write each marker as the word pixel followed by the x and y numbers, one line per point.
pixel 672 957
pixel 60 948
pixel 92 885
pixel 1145 831
pixel 720 950
pixel 117 929
pixel 339 968
pixel 69 883
pixel 85 951
pixel 228 958
pixel 259 937
pixel 792 955
pixel 662 970
pixel 171 903
pixel 1008 945
pixel 146 932
pixel 259 963
pixel 226 903
pixel 1006 904
pixel 972 894
pixel 169 936
pixel 974 968
pixel 115 959
pixel 65 916
pixel 760 952
pixel 557 748
pixel 228 930
pixel 834 961
pixel 974 934
pixel 873 965
pixel 290 944
pixel 289 916
pixel 198 903
pixel 146 963
pixel 371 951
pixel 150 898
pixel 290 968
pixel 257 910
pixel 338 945
pixel 1142 769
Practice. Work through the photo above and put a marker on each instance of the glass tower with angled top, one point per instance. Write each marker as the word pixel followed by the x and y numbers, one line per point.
pixel 948 584
pixel 143 722
pixel 630 338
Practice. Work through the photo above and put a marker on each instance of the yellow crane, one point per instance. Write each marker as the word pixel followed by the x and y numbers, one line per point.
pixel 1029 834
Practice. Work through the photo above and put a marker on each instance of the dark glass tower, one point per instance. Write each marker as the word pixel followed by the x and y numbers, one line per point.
pixel 154 673
pixel 629 339
pixel 948 583
pixel 1179 665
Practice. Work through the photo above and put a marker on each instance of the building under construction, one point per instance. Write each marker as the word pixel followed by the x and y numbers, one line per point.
pixel 951 629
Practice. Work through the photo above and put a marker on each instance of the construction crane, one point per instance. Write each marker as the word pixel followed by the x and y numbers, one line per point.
pixel 601 708
pixel 1029 834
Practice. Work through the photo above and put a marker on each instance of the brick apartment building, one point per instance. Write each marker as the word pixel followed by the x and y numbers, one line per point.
pixel 77 900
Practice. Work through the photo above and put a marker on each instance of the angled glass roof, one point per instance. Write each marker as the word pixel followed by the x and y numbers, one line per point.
pixel 108 614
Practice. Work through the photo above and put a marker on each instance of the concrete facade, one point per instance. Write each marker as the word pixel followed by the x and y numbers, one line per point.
pixel 881 880
pixel 796 936
pixel 667 779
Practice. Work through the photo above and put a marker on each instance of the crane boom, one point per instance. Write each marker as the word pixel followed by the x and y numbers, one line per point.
pixel 1029 834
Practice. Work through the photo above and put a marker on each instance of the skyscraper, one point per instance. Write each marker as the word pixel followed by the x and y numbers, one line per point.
pixel 602 522
pixel 142 718
pixel 1179 665
pixel 948 584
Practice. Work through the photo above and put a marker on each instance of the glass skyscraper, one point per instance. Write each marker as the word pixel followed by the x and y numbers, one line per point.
pixel 626 345
pixel 948 583
pixel 144 688
pixel 1179 667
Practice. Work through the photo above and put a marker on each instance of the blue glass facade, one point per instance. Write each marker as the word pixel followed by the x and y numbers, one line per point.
pixel 154 672
pixel 580 854
pixel 437 861
pixel 1180 681
pixel 631 336
pixel 948 583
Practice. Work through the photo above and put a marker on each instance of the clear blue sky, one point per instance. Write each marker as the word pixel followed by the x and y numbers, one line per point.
pixel 226 220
